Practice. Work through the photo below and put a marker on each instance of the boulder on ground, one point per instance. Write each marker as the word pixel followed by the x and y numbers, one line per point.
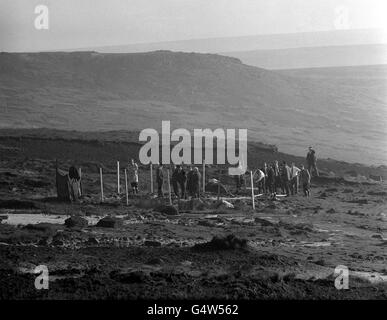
pixel 167 209
pixel 109 222
pixel 92 241
pixel 230 242
pixel 76 222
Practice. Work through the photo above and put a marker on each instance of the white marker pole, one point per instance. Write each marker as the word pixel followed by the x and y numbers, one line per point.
pixel 252 189
pixel 101 179
pixel 80 181
pixel 151 178
pixel 169 189
pixel 126 188
pixel 118 177
pixel 204 177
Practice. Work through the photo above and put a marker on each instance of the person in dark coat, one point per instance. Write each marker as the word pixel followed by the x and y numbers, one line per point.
pixel 182 179
pixel 196 176
pixel 277 177
pixel 270 181
pixel 160 180
pixel 74 173
pixel 238 182
pixel 311 162
pixel 175 180
pixel 75 183
pixel 189 182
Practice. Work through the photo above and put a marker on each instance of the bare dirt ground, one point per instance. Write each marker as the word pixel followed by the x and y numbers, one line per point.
pixel 293 244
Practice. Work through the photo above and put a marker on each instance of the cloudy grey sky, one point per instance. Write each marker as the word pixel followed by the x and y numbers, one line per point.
pixel 88 23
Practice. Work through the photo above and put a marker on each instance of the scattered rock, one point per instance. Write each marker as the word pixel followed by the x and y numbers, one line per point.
pixel 230 242
pixel 323 195
pixel 377 236
pixel 264 222
pixel 320 262
pixel 331 210
pixel 109 222
pixel 76 222
pixel 45 241
pixel 355 213
pixel 92 241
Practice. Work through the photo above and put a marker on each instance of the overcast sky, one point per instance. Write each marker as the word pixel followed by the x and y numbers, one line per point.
pixel 87 23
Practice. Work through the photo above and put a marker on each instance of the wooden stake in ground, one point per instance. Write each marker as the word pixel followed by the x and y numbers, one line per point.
pixel 169 189
pixel 80 181
pixel 126 188
pixel 252 189
pixel 151 178
pixel 101 179
pixel 204 177
pixel 219 185
pixel 118 177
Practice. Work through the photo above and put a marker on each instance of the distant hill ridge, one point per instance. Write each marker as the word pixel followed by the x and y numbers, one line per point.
pixel 91 91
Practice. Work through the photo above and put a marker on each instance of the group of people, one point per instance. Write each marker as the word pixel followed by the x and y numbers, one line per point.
pixel 287 178
pixel 184 184
pixel 274 177
pixel 270 178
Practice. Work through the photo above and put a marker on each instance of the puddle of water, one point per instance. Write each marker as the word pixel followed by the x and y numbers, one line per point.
pixel 372 277
pixel 315 244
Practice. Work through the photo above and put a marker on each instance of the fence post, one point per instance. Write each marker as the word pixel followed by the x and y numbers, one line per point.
pixel 151 178
pixel 101 180
pixel 169 188
pixel 252 189
pixel 204 177
pixel 126 188
pixel 118 177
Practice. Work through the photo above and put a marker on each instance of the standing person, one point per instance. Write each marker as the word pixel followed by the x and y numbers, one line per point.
pixel 75 180
pixel 175 179
pixel 264 182
pixel 238 183
pixel 311 162
pixel 270 179
pixel 285 178
pixel 294 178
pixel 189 182
pixel 160 180
pixel 277 177
pixel 305 181
pixel 133 172
pixel 259 177
pixel 182 179
pixel 196 176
